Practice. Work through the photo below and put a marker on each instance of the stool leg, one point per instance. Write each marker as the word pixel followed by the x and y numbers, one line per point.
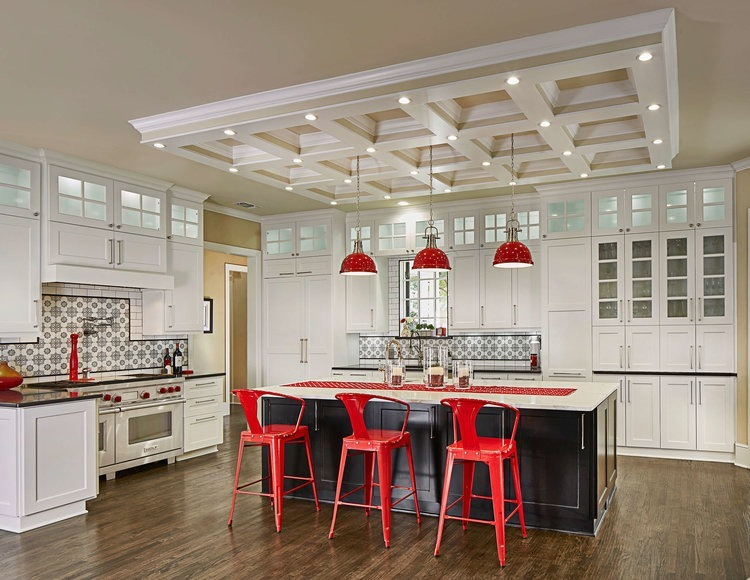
pixel 498 505
pixel 369 462
pixel 277 479
pixel 444 500
pixel 236 480
pixel 342 464
pixel 410 459
pixel 312 471
pixel 468 467
pixel 384 474
pixel 517 483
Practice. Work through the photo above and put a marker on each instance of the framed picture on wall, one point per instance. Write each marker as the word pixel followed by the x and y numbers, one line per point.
pixel 208 315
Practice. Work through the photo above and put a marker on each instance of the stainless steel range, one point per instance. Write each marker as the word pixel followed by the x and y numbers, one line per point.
pixel 139 422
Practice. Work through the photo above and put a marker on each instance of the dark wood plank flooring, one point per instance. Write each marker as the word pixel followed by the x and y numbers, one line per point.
pixel 669 519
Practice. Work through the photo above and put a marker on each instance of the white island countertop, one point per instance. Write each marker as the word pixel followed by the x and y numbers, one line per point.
pixel 586 397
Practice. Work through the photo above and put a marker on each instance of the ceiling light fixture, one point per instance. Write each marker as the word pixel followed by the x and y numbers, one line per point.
pixel 431 258
pixel 567 153
pixel 347 180
pixel 233 170
pixel 311 117
pixel 447 190
pixel 370 149
pixel 512 254
pixel 229 132
pixel 486 163
pixel 404 100
pixel 645 56
pixel 661 166
pixel 545 124
pixel 289 188
pixel 296 160
pixel 584 174
pixel 386 197
pixel 414 172
pixel 357 263
pixel 401 202
pixel 334 203
pixel 159 145
pixel 452 138
pixel 513 80
pixel 654 107
pixel 657 141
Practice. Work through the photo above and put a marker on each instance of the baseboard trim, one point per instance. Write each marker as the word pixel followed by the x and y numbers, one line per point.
pixel 685 455
pixel 742 455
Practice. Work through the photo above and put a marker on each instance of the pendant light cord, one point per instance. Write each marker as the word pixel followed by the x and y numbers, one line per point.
pixel 431 222
pixel 512 174
pixel 359 229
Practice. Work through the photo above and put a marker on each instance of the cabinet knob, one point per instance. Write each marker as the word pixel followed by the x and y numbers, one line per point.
pixel 119 226
pixel 698 224
pixel 169 237
pixel 690 225
pixel 111 225
pixel 36 214
pixel 620 230
pixel 627 229
pixel 544 235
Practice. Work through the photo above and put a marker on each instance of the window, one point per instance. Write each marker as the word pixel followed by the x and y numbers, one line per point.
pixel 424 295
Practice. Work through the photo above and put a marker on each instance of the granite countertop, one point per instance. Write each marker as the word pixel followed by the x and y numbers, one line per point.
pixel 587 396
pixel 31 396
pixel 124 377
pixel 510 368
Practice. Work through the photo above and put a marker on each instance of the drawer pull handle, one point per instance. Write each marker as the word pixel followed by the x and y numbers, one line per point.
pixel 204 401
pixel 204 419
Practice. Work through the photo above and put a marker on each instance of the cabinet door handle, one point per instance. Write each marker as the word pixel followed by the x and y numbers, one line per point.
pixel 566 374
pixel 700 392
pixel 628 390
pixel 204 419
pixel 700 308
pixel 111 251
pixel 432 422
pixel 629 311
pixel 119 252
pixel 305 272
pixel 691 357
pixel 583 433
pixel 372 318
pixel 620 356
pixel 286 273
pixel 621 389
pixel 36 313
pixel 691 392
pixel 451 313
pixel 170 310
pixel 700 351
pixel 306 361
pixel 515 314
pixel 301 356
pixel 316 416
pixel 690 311
pixel 481 320
pixel 205 401
pixel 620 310
pixel 203 384
pixel 628 358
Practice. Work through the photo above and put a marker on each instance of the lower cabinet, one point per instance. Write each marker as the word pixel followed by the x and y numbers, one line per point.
pixel 642 411
pixel 568 459
pixel 204 423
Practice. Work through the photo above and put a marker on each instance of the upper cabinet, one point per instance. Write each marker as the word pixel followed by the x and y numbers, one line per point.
pixel 566 216
pixel 621 211
pixel 463 230
pixel 495 221
pixel 696 204
pixel 185 223
pixel 140 210
pixel 310 237
pixel 19 187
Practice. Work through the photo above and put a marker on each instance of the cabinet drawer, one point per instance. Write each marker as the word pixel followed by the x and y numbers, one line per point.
pixel 203 387
pixel 313 266
pixel 203 431
pixel 202 406
pixel 279 268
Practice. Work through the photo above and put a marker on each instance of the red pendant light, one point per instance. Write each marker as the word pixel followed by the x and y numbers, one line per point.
pixel 512 254
pixel 358 263
pixel 431 258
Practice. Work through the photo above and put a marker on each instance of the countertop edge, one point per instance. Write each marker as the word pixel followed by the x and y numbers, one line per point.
pixel 63 398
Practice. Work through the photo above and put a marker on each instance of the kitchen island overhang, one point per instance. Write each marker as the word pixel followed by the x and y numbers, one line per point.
pixel 567 446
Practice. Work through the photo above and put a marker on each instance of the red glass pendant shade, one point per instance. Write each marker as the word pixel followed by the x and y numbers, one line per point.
pixel 431 258
pixel 512 254
pixel 358 263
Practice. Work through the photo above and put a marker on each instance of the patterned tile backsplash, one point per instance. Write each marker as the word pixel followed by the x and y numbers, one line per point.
pixel 108 322
pixel 487 348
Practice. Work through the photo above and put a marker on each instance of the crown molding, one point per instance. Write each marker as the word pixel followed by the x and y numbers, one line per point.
pixel 741 164
pixel 230 211
pixel 21 152
pixel 657 21
pixel 188 194
pixel 316 213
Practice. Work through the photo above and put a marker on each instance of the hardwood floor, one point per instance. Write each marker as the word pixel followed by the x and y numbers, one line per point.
pixel 669 519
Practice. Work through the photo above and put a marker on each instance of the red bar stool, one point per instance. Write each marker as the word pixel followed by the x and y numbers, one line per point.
pixel 492 451
pixel 372 443
pixel 275 437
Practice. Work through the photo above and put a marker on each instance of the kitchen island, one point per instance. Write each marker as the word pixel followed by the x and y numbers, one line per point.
pixel 48 451
pixel 566 441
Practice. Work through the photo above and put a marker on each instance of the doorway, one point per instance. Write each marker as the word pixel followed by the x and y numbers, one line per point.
pixel 236 329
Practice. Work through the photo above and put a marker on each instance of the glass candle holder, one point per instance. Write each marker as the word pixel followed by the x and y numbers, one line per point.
pixel 395 373
pixel 463 374
pixel 435 366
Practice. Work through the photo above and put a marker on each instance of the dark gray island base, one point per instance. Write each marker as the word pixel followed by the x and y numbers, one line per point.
pixel 568 458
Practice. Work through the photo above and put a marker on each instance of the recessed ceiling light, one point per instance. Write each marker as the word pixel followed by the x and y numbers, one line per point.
pixel 229 132
pixel 584 174
pixel 311 117
pixel 386 197
pixel 486 163
pixel 661 166
pixel 447 190
pixel 296 160
pixel 645 56
pixel 403 203
pixel 512 80
pixel 511 182
pixel 370 149
pixel 657 141
pixel 159 145
pixel 347 180
pixel 289 188
pixel 414 172
pixel 233 169
pixel 567 153
pixel 545 124
pixel 452 137
pixel 654 107
pixel 404 100
pixel 334 203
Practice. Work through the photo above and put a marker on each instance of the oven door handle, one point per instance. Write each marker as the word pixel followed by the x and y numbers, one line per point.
pixel 110 411
pixel 139 406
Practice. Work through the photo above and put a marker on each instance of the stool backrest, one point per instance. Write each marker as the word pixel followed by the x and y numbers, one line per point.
pixel 355 407
pixel 465 413
pixel 249 401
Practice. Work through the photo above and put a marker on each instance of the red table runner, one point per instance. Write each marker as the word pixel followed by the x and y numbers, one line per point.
pixel 488 390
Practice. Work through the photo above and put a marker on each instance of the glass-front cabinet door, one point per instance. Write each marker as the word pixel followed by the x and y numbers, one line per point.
pixel 366 231
pixel 393 237
pixel 313 238
pixel 19 187
pixel 80 198
pixel 608 290
pixel 464 231
pixel 566 217
pixel 714 265
pixel 139 210
pixel 642 209
pixel 419 231
pixel 608 212
pixel 713 203
pixel 677 287
pixel 641 279
pixel 279 241
pixel 677 207
pixel 185 222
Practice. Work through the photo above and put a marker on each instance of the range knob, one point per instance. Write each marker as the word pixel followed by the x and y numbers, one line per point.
pixel 107 398
pixel 177 389
pixel 171 389
pixel 163 390
pixel 117 398
pixel 145 395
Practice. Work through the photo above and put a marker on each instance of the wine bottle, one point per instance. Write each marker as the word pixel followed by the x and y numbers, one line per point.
pixel 167 362
pixel 177 362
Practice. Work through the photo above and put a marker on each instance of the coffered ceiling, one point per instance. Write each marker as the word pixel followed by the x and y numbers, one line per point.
pixel 76 72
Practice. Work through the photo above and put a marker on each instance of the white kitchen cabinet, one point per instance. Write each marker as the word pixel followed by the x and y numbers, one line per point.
pixel 203 427
pixel 496 294
pixel 185 221
pixel 677 348
pixel 716 412
pixel 420 226
pixel 20 306
pixel 46 477
pixel 625 211
pixel 298 328
pixel 715 348
pixel 19 187
pixel 566 216
pixel 527 302
pixel 463 290
pixel 678 415
pixel 394 236
pixel 631 348
pixel 286 267
pixel 608 348
pixel 565 265
pixel 642 411
pixel 567 339
pixel 304 237
pixel 462 232
pixel 714 272
pixel 366 302
pixel 494 223
pixel 696 204
pixel 367 235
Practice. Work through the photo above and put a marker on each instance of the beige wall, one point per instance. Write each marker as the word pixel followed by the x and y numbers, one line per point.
pixel 742 185
pixel 238 323
pixel 207 351
pixel 231 231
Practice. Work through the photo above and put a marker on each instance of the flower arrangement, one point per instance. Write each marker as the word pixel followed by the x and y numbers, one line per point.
pixel 411 327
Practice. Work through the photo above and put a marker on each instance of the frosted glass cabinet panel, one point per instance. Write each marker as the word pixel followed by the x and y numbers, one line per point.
pixel 464 231
pixel 566 216
pixel 279 241
pixel 139 210
pixel 609 287
pixel 621 211
pixel 80 198
pixel 367 230
pixel 699 204
pixel 714 276
pixel 677 277
pixel 642 279
pixel 296 239
pixel 19 187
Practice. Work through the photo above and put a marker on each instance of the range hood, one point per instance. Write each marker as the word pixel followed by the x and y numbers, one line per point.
pixel 106 277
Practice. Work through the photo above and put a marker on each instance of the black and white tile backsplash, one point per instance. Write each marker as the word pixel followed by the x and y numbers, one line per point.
pixel 113 341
